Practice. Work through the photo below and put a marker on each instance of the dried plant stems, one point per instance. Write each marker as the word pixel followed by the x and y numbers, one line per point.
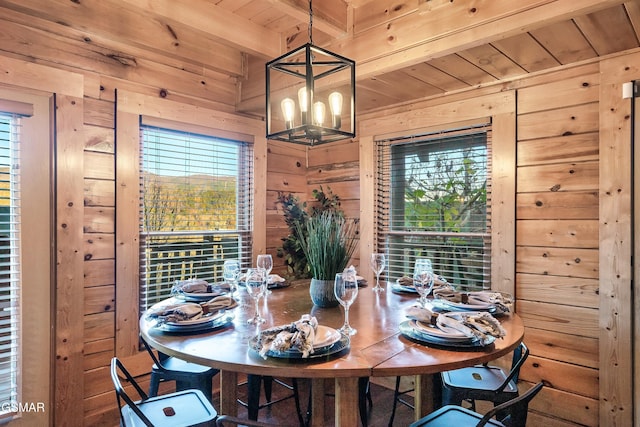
pixel 328 244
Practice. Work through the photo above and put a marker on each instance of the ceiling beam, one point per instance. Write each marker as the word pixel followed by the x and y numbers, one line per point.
pixel 330 20
pixel 450 28
pixel 223 25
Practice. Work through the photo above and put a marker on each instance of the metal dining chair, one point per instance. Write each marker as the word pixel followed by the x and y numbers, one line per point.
pixel 453 415
pixel 188 408
pixel 483 382
pixel 186 375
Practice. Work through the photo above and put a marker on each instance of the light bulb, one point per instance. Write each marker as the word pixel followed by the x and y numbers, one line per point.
pixel 335 104
pixel 288 110
pixel 318 113
pixel 303 99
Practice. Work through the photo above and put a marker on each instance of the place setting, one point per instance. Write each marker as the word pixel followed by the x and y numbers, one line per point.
pixel 304 338
pixel 457 329
pixel 497 303
pixel 198 290
pixel 175 316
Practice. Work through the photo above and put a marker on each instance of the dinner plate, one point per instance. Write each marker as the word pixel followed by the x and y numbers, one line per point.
pixel 472 306
pixel 411 332
pixel 440 331
pixel 200 320
pixel 397 287
pixel 199 296
pixel 335 348
pixel 325 336
pixel 212 323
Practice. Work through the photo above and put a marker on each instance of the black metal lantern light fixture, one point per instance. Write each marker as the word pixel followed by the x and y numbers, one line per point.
pixel 310 95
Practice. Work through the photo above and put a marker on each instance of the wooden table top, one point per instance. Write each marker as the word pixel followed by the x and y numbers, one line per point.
pixel 378 349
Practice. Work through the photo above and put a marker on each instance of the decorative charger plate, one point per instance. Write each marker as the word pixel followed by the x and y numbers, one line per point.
pixel 398 287
pixel 473 306
pixel 410 331
pixel 202 324
pixel 338 346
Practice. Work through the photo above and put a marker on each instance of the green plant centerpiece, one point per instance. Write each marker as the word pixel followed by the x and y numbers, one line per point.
pixel 328 241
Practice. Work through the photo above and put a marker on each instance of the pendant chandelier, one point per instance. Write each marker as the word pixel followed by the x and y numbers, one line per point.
pixel 310 95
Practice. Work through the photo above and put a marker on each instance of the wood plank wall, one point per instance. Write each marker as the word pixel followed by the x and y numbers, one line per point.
pixel 557 242
pixel 557 260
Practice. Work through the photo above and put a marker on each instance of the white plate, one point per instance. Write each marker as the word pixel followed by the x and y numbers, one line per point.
pixel 481 306
pixel 440 331
pixel 325 336
pixel 198 321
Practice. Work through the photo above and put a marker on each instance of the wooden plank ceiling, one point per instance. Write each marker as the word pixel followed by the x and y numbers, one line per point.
pixel 404 49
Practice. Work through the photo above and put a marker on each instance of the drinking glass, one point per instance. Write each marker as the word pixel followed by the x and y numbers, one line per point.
pixel 230 273
pixel 346 289
pixel 378 263
pixel 423 282
pixel 256 285
pixel 422 264
pixel 265 261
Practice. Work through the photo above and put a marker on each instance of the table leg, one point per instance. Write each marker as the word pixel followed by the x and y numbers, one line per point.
pixel 317 402
pixel 346 405
pixel 229 393
pixel 424 395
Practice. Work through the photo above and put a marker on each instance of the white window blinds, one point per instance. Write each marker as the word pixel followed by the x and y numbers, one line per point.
pixel 196 208
pixel 10 278
pixel 432 198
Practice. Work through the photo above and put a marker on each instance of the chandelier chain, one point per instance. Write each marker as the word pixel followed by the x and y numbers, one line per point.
pixel 310 22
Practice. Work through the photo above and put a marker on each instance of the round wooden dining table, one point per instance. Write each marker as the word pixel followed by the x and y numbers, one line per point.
pixel 376 350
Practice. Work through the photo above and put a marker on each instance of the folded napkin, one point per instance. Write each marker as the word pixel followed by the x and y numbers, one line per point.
pixel 218 303
pixel 191 286
pixel 274 278
pixel 298 335
pixel 438 282
pixel 177 312
pixel 502 300
pixel 478 325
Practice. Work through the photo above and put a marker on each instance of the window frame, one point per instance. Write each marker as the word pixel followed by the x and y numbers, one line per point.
pixel 130 106
pixel 390 198
pixel 193 266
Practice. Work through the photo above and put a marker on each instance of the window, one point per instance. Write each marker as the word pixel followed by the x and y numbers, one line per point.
pixel 432 198
pixel 196 208
pixel 10 279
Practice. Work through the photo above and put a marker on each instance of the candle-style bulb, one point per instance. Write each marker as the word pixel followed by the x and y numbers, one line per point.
pixel 318 113
pixel 303 100
pixel 288 106
pixel 335 104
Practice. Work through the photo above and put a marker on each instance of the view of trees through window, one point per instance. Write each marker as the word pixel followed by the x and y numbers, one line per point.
pixel 437 192
pixel 195 208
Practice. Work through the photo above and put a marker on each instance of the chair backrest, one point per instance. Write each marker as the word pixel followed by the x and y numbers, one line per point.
pixel 157 360
pixel 517 409
pixel 118 368
pixel 520 355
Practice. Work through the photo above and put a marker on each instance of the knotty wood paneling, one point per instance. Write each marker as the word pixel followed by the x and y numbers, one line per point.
pixel 98 299
pixel 557 261
pixel 99 219
pixel 557 345
pixel 99 192
pixel 561 376
pixel 561 121
pixel 557 205
pixel 566 148
pixel 558 233
pixel 69 328
pixel 558 177
pixel 569 319
pixel 579 291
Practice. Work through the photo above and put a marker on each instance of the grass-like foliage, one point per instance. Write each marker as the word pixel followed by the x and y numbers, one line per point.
pixel 328 241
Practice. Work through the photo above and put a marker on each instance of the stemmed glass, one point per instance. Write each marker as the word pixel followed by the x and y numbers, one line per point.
pixel 230 273
pixel 346 289
pixel 256 285
pixel 423 282
pixel 378 263
pixel 265 261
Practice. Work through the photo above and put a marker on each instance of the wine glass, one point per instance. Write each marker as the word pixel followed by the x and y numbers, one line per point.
pixel 256 285
pixel 423 282
pixel 265 261
pixel 422 264
pixel 230 273
pixel 378 263
pixel 346 289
